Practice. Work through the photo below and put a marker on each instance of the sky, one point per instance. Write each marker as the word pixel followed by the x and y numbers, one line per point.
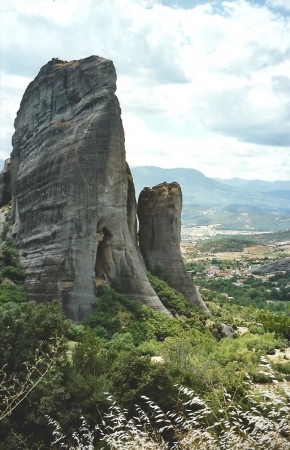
pixel 201 84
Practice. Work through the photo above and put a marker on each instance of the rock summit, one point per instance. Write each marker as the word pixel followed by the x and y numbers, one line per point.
pixel 73 197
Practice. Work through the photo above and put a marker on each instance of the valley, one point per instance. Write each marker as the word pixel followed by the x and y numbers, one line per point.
pixel 212 206
pixel 248 270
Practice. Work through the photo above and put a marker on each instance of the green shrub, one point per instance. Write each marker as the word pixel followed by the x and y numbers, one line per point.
pixel 74 332
pixel 283 368
pixel 111 312
pixel 9 253
pixel 14 273
pixel 5 229
pixel 12 293
pixel 171 299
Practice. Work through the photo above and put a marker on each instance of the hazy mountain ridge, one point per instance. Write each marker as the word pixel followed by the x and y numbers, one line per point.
pixel 257 185
pixel 197 189
pixel 207 201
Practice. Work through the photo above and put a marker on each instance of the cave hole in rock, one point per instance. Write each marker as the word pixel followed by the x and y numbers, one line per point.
pixel 103 254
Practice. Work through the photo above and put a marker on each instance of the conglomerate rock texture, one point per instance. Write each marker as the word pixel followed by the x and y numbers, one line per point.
pixel 159 214
pixel 73 197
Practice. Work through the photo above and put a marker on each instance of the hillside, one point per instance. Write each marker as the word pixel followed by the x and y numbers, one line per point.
pixel 89 378
pixel 200 190
pixel 207 202
pixel 256 185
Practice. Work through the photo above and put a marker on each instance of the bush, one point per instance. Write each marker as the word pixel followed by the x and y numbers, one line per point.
pixel 74 332
pixel 171 299
pixel 12 293
pixel 194 424
pixel 29 336
pixel 133 375
pixel 14 273
pixel 283 368
pixel 9 253
pixel 111 312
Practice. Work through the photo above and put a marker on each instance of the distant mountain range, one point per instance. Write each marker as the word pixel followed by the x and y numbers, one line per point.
pixel 256 185
pixel 234 204
pixel 199 190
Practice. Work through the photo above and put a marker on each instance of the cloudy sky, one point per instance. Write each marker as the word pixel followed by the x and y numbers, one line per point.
pixel 202 84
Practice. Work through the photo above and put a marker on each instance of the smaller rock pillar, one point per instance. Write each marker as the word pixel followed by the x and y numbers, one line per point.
pixel 159 214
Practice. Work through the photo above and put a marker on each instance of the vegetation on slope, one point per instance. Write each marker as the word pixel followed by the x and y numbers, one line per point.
pixel 55 368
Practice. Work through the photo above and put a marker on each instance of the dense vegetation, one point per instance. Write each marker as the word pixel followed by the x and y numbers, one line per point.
pixel 65 370
pixel 224 245
pixel 268 238
pixel 235 218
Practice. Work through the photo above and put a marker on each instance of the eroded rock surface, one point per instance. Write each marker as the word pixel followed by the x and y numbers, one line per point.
pixel 5 184
pixel 281 265
pixel 159 213
pixel 73 204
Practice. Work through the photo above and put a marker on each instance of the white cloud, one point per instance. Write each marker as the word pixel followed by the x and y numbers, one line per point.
pixel 216 156
pixel 218 72
pixel 60 12
pixel 284 4
pixel 13 87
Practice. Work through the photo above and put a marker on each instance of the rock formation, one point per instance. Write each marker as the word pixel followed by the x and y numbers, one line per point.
pixel 73 198
pixel 281 265
pixel 5 184
pixel 159 214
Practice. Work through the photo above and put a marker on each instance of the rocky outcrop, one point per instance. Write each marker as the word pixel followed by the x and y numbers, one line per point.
pixel 224 331
pixel 159 214
pixel 281 265
pixel 73 205
pixel 5 184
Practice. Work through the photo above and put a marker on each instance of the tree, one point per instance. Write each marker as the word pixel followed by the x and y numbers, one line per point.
pixel 14 389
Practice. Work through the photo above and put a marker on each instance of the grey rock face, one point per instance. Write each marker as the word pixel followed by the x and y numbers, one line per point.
pixel 280 265
pixel 224 331
pixel 159 213
pixel 5 184
pixel 73 201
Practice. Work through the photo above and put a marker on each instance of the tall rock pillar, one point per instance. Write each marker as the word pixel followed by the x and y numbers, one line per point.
pixel 70 188
pixel 5 184
pixel 159 213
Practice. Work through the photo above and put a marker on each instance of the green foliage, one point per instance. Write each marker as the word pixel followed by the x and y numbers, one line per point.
pixel 122 342
pixel 9 254
pixel 159 325
pixel 171 299
pixel 115 284
pixel 6 225
pixel 12 293
pixel 12 290
pixel 223 245
pixel 133 375
pixel 283 368
pixel 5 229
pixel 158 272
pixel 14 273
pixel 111 351
pixel 277 323
pixel 196 266
pixel 23 327
pixel 74 331
pixel 261 422
pixel 111 312
pixel 29 332
pixel 252 292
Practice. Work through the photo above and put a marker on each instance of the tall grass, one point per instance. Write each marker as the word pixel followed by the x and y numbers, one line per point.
pixel 261 422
